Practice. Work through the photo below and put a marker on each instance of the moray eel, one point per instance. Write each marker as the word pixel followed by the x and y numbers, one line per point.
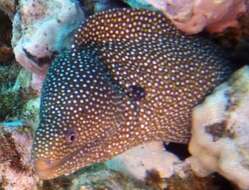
pixel 130 77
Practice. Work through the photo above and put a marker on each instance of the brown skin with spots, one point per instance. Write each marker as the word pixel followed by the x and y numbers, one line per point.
pixel 129 78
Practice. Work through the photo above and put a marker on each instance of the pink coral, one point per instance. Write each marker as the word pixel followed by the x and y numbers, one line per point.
pixel 40 30
pixel 192 16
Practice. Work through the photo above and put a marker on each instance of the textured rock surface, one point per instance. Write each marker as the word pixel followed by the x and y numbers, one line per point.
pixel 192 16
pixel 220 131
pixel 40 30
pixel 139 160
pixel 16 172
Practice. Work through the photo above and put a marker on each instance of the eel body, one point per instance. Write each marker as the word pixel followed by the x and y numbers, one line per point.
pixel 130 77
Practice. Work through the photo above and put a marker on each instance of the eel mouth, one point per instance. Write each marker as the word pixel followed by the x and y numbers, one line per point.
pixel 49 169
pixel 46 169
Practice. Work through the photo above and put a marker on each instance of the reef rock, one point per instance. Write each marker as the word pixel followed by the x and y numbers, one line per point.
pixel 16 172
pixel 220 131
pixel 40 30
pixel 106 179
pixel 140 160
pixel 192 16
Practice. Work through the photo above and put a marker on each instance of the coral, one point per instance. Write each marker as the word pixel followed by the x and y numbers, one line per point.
pixel 192 182
pixel 139 160
pixel 193 16
pixel 220 140
pixel 159 168
pixel 16 172
pixel 236 40
pixel 40 30
pixel 95 177
pixel 106 179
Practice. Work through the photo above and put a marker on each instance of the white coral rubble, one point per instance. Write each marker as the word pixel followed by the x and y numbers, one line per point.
pixel 220 141
pixel 140 159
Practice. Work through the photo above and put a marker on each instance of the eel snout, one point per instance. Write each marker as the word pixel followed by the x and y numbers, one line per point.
pixel 44 168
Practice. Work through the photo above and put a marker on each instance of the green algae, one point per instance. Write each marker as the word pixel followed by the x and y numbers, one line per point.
pixel 14 96
pixel 8 74
pixel 12 102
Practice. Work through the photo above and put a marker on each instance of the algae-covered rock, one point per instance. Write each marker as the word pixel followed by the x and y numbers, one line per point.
pixel 13 97
pixel 8 75
pixel 194 16
pixel 96 177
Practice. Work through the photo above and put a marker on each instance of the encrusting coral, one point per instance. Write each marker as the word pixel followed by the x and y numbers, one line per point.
pixel 219 141
pixel 140 160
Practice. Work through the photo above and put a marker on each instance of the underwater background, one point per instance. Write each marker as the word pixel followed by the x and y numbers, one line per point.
pixel 212 154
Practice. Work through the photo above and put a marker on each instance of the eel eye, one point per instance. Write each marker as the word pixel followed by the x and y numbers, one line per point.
pixel 70 135
pixel 136 92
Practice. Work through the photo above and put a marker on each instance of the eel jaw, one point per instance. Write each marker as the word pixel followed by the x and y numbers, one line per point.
pixel 46 168
pixel 49 169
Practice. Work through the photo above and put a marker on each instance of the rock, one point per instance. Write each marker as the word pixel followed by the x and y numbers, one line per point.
pixel 106 179
pixel 219 141
pixel 40 30
pixel 138 161
pixel 192 16
pixel 16 172
pixel 159 168
pixel 93 178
